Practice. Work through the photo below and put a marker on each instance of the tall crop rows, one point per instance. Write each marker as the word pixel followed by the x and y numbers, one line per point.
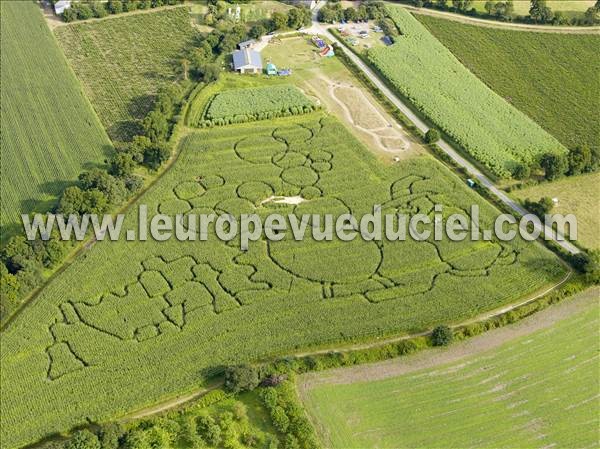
pixel 137 321
pixel 491 130
pixel 256 103
pixel 49 130
pixel 124 61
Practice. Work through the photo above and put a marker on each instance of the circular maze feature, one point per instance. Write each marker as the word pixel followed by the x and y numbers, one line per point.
pixel 259 149
pixel 289 159
pixel 173 207
pixel 300 176
pixel 211 181
pixel 255 191
pixel 327 261
pixel 310 192
pixel 188 189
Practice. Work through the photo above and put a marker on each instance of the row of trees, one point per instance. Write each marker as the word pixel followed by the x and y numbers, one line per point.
pixel 369 10
pixel 218 15
pixel 539 11
pixel 89 9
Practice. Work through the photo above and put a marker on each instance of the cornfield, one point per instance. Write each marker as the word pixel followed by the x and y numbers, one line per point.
pixel 425 72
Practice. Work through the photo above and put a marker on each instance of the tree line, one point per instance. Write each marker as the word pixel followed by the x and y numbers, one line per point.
pixel 539 11
pixel 90 9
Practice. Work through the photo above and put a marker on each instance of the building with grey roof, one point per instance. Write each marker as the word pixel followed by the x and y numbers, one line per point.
pixel 247 61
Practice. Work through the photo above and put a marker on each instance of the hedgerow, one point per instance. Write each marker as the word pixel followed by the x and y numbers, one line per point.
pixel 425 72
pixel 256 103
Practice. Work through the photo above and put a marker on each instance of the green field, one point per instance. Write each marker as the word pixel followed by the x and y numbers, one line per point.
pixel 553 88
pixel 133 322
pixel 537 391
pixel 493 132
pixel 122 62
pixel 258 103
pixel 49 130
pixel 576 195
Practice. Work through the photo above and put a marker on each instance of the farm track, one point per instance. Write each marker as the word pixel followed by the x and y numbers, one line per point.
pixel 473 346
pixel 503 25
pixel 557 310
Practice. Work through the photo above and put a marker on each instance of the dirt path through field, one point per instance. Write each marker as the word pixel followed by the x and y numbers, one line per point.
pixel 504 25
pixel 354 106
pixel 458 351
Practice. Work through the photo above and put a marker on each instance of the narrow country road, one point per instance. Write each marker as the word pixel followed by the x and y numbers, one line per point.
pixel 318 28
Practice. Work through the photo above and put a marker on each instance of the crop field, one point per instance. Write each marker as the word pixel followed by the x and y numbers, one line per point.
pixel 552 88
pixel 576 195
pixel 492 131
pixel 122 62
pixel 44 149
pixel 540 390
pixel 258 103
pixel 167 315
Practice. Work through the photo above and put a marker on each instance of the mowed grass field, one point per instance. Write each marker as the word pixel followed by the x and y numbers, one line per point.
pixel 123 61
pixel 537 391
pixel 49 130
pixel 579 195
pixel 558 87
pixel 135 322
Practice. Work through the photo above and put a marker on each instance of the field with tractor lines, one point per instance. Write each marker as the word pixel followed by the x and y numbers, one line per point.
pixel 493 132
pixel 552 88
pixel 50 132
pixel 538 390
pixel 124 61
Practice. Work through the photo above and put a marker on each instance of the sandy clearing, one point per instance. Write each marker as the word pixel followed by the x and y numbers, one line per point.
pixel 434 357
pixel 294 200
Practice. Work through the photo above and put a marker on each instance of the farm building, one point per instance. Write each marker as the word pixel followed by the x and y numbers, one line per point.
pixel 247 61
pixel 61 5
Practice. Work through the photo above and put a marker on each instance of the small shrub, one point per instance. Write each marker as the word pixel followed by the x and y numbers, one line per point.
pixel 441 336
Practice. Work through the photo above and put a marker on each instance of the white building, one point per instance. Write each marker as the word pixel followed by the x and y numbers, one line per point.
pixel 61 5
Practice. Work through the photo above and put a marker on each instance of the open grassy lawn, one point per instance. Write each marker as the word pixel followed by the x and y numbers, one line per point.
pixel 134 322
pixel 570 8
pixel 557 87
pixel 490 130
pixel 123 61
pixel 49 130
pixel 536 391
pixel 579 195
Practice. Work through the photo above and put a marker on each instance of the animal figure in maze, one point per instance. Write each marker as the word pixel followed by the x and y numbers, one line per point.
pixel 161 301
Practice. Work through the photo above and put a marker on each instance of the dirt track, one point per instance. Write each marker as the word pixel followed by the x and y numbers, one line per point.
pixel 458 351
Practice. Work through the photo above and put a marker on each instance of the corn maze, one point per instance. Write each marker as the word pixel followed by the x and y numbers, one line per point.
pixel 170 314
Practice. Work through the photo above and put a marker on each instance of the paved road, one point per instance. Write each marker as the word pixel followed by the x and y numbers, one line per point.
pixel 318 28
